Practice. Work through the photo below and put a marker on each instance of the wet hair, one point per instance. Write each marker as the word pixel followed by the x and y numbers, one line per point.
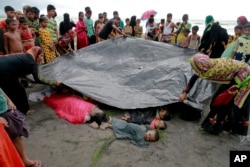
pixel 162 20
pixel 169 15
pixel 247 25
pixel 164 127
pixel 151 20
pixel 8 8
pixel 50 7
pixel 168 115
pixel 127 19
pixel 42 19
pixel 22 20
pixel 99 118
pixel 240 27
pixel 196 28
pixel 9 21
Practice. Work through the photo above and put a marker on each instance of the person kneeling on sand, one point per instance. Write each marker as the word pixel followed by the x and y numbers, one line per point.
pixel 139 135
pixel 15 126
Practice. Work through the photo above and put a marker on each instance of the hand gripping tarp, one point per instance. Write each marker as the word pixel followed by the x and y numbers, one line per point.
pixel 130 73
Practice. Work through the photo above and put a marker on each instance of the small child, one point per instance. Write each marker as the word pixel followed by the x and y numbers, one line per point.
pixel 99 27
pixel 139 135
pixel 127 28
pixel 12 38
pixel 156 119
pixel 194 39
pixel 10 13
pixel 230 40
pixel 46 40
pixel 150 30
pixel 27 35
pixel 238 31
pixel 185 40
pixel 33 24
pixel 242 49
pixel 138 29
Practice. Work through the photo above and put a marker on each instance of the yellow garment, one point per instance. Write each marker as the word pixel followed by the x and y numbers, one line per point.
pixel 46 41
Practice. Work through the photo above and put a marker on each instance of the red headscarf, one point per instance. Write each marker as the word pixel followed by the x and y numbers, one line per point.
pixel 35 51
pixel 242 20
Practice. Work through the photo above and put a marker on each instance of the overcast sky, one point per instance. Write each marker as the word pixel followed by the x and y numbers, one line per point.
pixel 197 9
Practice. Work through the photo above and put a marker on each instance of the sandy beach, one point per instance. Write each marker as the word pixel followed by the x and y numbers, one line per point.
pixel 58 143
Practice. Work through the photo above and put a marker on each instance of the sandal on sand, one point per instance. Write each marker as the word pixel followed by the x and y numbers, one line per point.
pixel 37 163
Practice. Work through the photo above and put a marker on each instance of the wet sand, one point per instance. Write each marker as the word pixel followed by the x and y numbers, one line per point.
pixel 58 143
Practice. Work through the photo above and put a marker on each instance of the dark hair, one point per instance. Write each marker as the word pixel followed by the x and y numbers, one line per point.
pixel 99 118
pixel 104 13
pixel 36 10
pixel 55 14
pixel 151 20
pixel 165 126
pixel 157 135
pixel 50 7
pixel 127 19
pixel 42 18
pixel 89 11
pixel 80 14
pixel 168 115
pixel 117 18
pixel 169 15
pixel 9 20
pixel 42 15
pixel 22 20
pixel 162 20
pixel 247 25
pixel 185 16
pixel 115 12
pixel 240 27
pixel 8 8
pixel 30 10
pixel 87 8
pixel 100 15
pixel 195 28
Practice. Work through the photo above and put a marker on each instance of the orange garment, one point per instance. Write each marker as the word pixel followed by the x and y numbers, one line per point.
pixel 9 156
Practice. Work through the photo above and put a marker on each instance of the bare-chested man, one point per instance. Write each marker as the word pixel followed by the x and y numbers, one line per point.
pixel 12 38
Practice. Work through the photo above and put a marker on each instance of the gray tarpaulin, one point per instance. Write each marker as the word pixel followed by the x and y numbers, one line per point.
pixel 129 73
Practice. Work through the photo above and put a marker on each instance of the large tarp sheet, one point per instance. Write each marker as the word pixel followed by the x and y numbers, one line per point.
pixel 130 73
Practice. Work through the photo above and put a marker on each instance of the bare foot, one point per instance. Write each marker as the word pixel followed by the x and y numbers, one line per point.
pixel 94 125
pixel 33 163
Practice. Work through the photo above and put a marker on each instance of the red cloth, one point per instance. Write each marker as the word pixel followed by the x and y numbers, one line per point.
pixel 82 36
pixel 70 108
pixel 9 156
pixel 27 39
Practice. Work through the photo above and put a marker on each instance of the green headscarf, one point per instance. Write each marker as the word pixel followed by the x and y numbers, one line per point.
pixel 209 19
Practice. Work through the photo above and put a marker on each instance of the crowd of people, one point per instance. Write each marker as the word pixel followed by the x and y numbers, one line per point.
pixel 28 39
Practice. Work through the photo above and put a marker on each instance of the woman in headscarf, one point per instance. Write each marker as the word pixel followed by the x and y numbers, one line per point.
pixel 12 67
pixel 214 38
pixel 65 26
pixel 228 72
pixel 242 20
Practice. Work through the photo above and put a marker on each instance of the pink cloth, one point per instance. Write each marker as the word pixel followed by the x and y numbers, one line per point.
pixel 82 36
pixel 152 124
pixel 70 108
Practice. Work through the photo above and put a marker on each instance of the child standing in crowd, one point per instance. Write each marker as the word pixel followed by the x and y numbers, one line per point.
pixel 127 28
pixel 194 39
pixel 139 135
pixel 52 25
pixel 185 40
pixel 33 23
pixel 183 26
pixel 150 30
pixel 46 40
pixel 168 29
pixel 81 31
pixel 10 13
pixel 89 22
pixel 18 15
pixel 99 27
pixel 27 35
pixel 242 49
pixel 12 38
pixel 138 29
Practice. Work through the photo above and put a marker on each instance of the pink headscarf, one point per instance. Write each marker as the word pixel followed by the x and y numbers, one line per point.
pixel 242 20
